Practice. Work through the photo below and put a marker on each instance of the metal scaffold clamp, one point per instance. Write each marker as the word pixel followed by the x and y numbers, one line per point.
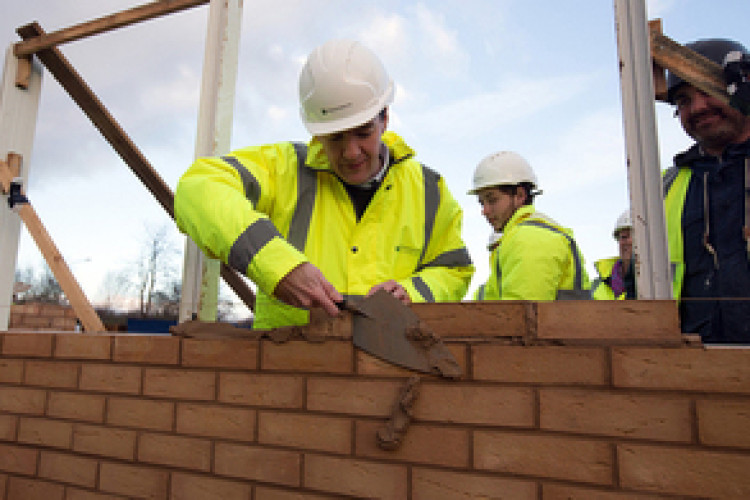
pixel 15 194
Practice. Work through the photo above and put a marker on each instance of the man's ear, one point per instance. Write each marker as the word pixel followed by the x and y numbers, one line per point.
pixel 520 196
pixel 385 118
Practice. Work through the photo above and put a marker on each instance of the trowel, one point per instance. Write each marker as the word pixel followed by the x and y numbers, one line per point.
pixel 386 328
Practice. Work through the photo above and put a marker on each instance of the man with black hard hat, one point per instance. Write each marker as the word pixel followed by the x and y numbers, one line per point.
pixel 707 202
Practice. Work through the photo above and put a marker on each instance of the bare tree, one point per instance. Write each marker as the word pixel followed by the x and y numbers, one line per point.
pixel 154 268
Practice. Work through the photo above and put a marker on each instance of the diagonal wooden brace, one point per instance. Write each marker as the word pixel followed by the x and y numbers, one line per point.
pixel 692 67
pixel 82 307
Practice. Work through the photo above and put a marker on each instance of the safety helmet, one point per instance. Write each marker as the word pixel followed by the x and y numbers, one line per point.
pixel 623 222
pixel 342 85
pixel 503 168
pixel 714 49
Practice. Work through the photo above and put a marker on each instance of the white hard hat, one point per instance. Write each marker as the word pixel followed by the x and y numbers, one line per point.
pixel 342 85
pixel 623 222
pixel 503 168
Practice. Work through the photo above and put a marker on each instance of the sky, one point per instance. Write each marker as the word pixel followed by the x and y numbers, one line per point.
pixel 473 77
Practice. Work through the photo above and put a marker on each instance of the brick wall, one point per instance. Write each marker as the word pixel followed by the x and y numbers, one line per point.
pixel 39 316
pixel 561 400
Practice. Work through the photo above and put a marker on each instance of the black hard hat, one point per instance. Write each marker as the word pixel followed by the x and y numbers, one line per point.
pixel 714 49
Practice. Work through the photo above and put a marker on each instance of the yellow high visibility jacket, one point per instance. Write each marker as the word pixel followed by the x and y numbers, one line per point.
pixel 600 288
pixel 264 210
pixel 676 182
pixel 537 259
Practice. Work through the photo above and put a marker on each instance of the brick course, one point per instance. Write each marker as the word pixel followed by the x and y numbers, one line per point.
pixel 605 414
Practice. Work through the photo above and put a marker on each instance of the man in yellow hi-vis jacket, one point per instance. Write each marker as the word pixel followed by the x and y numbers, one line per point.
pixel 616 278
pixel 347 214
pixel 536 258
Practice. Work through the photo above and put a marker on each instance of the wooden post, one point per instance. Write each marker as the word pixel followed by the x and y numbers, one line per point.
pixel 18 112
pixel 201 275
pixel 644 174
pixel 82 307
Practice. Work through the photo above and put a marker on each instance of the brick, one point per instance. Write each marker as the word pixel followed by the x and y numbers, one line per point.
pixel 216 421
pixel 179 384
pixel 370 365
pixel 352 396
pixel 309 432
pixel 104 441
pixel 17 459
pixel 22 400
pixel 361 478
pixel 83 346
pixel 38 345
pixel 565 492
pixel 133 481
pixel 51 374
pixel 684 471
pixel 8 425
pixel 146 349
pixel 34 489
pixel 685 369
pixel 45 432
pixel 110 378
pixel 141 413
pixel 193 487
pixel 430 484
pixel 177 451
pixel 11 371
pixel 449 320
pixel 653 321
pixel 264 493
pixel 724 423
pixel 659 418
pixel 223 353
pixel 67 468
pixel 540 364
pixel 471 404
pixel 543 455
pixel 331 356
pixel 257 463
pixel 3 482
pixel 277 391
pixel 76 494
pixel 425 444
pixel 76 406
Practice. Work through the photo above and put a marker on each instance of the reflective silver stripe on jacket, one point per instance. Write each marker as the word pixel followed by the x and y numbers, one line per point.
pixel 249 243
pixel 249 182
pixel 307 187
pixel 431 203
pixel 452 258
pixel 423 289
pixel 578 292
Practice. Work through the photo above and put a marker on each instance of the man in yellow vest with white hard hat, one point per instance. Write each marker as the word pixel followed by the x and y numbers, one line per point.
pixel 349 213
pixel 616 278
pixel 536 258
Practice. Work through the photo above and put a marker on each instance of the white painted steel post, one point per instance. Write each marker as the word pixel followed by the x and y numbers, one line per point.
pixel 644 172
pixel 200 280
pixel 18 115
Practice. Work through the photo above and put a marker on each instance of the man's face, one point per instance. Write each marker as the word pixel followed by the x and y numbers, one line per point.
pixel 625 243
pixel 354 154
pixel 498 206
pixel 713 124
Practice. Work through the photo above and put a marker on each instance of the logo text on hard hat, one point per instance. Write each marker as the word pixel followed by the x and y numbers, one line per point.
pixel 325 111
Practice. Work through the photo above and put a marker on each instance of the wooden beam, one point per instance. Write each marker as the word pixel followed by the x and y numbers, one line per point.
pixel 692 67
pixel 103 24
pixel 81 305
pixel 84 97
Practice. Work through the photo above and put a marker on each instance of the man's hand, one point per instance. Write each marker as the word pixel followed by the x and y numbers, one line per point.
pixel 306 287
pixel 394 289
